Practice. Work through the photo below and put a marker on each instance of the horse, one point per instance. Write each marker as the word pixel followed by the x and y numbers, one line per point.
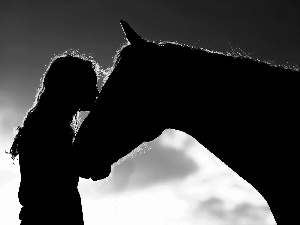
pixel 245 111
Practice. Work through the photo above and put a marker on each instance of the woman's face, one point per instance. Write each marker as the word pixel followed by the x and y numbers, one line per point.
pixel 90 94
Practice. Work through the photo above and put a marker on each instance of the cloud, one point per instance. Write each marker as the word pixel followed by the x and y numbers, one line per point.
pixel 10 117
pixel 159 164
pixel 7 115
pixel 10 112
pixel 6 176
pixel 216 209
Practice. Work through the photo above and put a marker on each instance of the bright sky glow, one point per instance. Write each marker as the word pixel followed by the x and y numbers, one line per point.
pixel 208 196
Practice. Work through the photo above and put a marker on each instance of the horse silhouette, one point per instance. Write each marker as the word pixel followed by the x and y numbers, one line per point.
pixel 48 165
pixel 243 110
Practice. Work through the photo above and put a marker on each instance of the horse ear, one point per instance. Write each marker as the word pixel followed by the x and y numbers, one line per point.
pixel 131 36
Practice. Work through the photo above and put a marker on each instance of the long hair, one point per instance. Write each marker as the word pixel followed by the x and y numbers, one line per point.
pixel 58 87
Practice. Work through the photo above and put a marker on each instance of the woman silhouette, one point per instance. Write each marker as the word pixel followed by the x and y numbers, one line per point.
pixel 48 164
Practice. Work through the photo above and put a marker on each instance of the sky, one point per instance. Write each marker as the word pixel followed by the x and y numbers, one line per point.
pixel 32 32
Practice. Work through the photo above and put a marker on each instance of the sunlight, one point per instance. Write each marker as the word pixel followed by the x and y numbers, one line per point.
pixel 170 202
pixel 154 206
pixel 9 204
pixel 8 119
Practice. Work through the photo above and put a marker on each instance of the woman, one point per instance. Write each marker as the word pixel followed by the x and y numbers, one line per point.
pixel 49 175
